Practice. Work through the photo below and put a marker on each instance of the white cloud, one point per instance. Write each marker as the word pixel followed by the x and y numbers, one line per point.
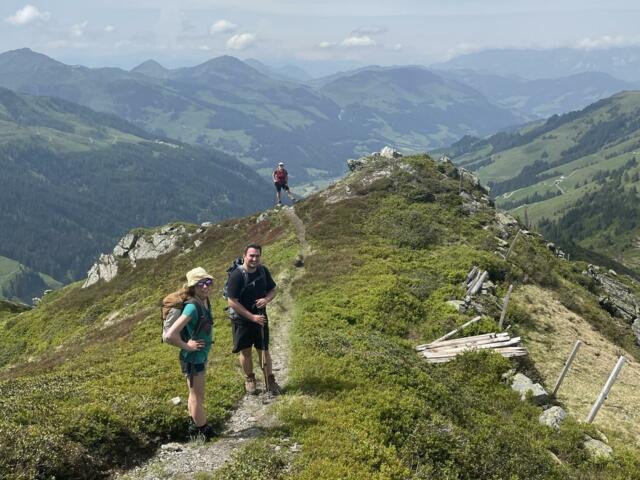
pixel 27 14
pixel 326 45
pixel 241 41
pixel 358 41
pixel 222 26
pixel 464 48
pixel 78 29
pixel 109 29
pixel 606 41
pixel 398 46
pixel 369 30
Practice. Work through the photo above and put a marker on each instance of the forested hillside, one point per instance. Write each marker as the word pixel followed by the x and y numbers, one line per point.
pixel 576 176
pixel 86 385
pixel 73 181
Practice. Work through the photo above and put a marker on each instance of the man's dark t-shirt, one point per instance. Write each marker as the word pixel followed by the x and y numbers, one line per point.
pixel 254 291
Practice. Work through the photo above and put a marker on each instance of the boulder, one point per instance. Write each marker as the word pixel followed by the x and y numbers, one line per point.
pixel 389 152
pixel 636 329
pixel 553 417
pixel 596 449
pixel 470 205
pixel 523 385
pixel 356 163
pixel 506 220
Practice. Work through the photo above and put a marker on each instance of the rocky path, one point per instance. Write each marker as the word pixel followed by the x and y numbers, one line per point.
pixel 253 414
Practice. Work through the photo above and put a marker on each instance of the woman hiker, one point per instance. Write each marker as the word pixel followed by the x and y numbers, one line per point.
pixel 281 182
pixel 196 325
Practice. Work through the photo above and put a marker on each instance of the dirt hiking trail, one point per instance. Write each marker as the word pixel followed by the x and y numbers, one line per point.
pixel 183 460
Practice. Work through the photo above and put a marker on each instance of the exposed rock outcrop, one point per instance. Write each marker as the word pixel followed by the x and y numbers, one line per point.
pixel 134 247
pixel 387 152
pixel 615 297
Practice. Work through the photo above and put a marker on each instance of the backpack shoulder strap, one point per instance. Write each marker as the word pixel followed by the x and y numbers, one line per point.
pixel 201 314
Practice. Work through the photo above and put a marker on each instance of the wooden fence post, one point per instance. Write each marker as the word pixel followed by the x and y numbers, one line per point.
pixel 512 245
pixel 503 314
pixel 566 367
pixel 605 390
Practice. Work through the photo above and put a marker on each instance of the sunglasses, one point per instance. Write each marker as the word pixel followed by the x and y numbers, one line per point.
pixel 206 282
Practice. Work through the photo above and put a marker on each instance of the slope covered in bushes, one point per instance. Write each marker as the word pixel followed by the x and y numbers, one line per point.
pixel 391 244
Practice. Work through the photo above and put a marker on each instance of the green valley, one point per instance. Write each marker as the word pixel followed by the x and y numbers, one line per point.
pixel 20 283
pixel 575 176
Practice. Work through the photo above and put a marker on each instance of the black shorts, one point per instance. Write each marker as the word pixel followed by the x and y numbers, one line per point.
pixel 190 370
pixel 249 334
pixel 281 186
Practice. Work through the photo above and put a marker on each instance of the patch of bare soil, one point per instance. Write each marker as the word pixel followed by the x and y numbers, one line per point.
pixel 550 342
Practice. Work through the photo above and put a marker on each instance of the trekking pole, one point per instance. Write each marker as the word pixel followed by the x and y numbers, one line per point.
pixel 263 354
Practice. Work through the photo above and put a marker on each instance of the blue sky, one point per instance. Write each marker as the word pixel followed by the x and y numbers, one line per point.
pixel 325 34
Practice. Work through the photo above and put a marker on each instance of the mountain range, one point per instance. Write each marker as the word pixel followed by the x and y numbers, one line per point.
pixel 620 62
pixel 260 120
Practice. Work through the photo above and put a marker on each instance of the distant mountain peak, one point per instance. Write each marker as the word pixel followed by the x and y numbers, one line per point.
pixel 152 68
pixel 25 57
pixel 222 66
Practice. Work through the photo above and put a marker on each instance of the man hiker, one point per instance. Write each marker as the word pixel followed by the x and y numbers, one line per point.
pixel 192 332
pixel 281 182
pixel 249 289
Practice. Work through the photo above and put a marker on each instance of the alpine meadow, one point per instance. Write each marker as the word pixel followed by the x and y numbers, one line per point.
pixel 363 240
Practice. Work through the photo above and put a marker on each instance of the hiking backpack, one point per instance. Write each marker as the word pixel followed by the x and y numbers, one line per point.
pixel 171 308
pixel 238 264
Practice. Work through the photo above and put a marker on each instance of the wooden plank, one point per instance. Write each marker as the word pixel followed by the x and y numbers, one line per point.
pixel 453 332
pixel 460 340
pixel 490 341
pixel 519 353
pixel 472 274
pixel 476 286
pixel 461 348
pixel 516 348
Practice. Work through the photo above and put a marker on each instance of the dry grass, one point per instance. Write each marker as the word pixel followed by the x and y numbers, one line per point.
pixel 550 341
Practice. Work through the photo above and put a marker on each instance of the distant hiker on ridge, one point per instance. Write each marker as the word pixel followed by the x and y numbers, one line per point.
pixel 192 332
pixel 281 182
pixel 250 288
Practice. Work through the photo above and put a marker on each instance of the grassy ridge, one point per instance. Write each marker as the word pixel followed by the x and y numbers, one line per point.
pixel 361 402
pixel 91 382
pixel 386 258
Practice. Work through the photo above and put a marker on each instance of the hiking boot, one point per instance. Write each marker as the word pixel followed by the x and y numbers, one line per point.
pixel 250 384
pixel 194 431
pixel 274 388
pixel 207 431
